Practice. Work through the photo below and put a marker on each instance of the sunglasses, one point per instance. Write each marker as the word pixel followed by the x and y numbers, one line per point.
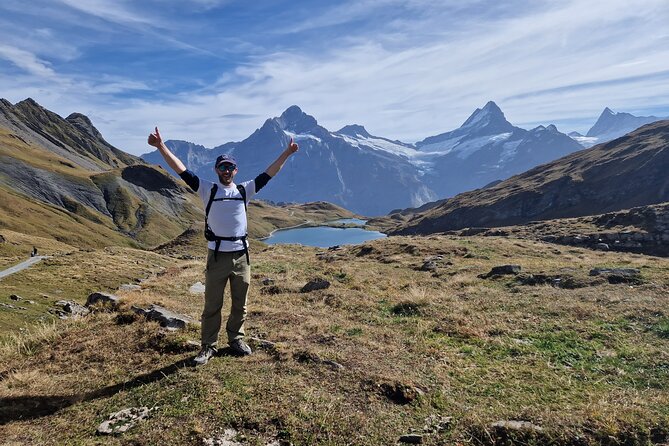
pixel 228 167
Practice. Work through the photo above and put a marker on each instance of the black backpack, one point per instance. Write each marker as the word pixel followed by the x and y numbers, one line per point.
pixel 209 234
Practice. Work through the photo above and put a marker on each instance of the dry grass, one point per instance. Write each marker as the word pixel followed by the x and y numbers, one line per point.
pixel 588 363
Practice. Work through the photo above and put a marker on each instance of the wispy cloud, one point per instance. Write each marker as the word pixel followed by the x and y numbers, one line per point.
pixel 404 69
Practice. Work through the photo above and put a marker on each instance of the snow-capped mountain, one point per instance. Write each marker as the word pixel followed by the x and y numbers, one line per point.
pixel 487 148
pixel 372 175
pixel 351 168
pixel 611 125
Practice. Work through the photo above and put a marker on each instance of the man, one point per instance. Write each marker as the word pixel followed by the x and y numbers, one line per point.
pixel 225 229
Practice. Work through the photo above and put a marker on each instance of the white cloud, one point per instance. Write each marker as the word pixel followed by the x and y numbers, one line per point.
pixel 27 61
pixel 418 76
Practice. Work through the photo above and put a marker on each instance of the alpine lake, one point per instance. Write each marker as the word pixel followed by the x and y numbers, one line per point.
pixel 345 231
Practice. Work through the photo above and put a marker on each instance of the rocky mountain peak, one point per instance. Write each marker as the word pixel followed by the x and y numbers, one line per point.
pixel 354 130
pixel 490 119
pixel 295 120
pixel 84 124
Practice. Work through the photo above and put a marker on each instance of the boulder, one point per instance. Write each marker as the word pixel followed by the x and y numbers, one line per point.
pixel 430 265
pixel 15 297
pixel 515 425
pixel 315 284
pixel 72 308
pixel 166 318
pixel 104 299
pixel 619 271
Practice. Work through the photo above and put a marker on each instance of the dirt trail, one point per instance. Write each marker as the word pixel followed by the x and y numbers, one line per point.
pixel 21 266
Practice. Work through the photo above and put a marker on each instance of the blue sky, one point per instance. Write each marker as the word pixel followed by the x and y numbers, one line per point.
pixel 211 71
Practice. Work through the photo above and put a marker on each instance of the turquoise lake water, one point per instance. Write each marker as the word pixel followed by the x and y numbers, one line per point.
pixel 324 236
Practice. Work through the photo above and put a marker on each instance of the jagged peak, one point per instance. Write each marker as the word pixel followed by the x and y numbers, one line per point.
pixel 83 123
pixel 295 120
pixel 354 130
pixel 552 128
pixel 607 111
pixel 481 117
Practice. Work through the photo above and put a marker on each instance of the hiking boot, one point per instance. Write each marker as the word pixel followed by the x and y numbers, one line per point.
pixel 240 347
pixel 205 354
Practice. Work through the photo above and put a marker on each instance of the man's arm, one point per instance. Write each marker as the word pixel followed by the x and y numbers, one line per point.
pixel 276 166
pixel 175 163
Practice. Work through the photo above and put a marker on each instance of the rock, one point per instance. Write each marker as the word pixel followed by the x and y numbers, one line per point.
pixel 123 420
pixel 411 439
pixel 501 270
pixel 197 288
pixel 227 439
pixel 31 302
pixel 602 246
pixel 619 271
pixel 72 308
pixel 267 281
pixel 7 306
pixel 437 424
pixel 515 425
pixel 129 287
pixel 316 284
pixel 15 297
pixel 104 299
pixel 430 265
pixel 2 239
pixel 165 317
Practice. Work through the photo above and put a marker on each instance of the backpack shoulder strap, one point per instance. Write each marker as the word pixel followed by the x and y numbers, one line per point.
pixel 242 191
pixel 214 188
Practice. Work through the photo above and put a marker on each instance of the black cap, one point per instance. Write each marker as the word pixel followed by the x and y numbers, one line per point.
pixel 225 158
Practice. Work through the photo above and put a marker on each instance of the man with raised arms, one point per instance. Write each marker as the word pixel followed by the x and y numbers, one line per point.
pixel 226 231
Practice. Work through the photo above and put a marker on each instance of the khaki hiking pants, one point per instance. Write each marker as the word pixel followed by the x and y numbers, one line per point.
pixel 227 266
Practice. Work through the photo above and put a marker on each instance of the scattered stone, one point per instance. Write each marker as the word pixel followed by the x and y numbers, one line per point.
pixel 557 281
pixel 515 425
pixel 267 281
pixel 430 265
pixel 73 308
pixel 316 284
pixel 165 317
pixel 15 297
pixel 227 439
pixel 501 270
pixel 129 287
pixel 103 299
pixel 618 271
pixel 335 248
pixel 437 424
pixel 197 288
pixel 411 439
pixel 602 246
pixel 123 420
pixel 31 302
pixel 7 305
pixel 630 276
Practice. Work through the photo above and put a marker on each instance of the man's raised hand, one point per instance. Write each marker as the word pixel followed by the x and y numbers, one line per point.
pixel 292 146
pixel 155 139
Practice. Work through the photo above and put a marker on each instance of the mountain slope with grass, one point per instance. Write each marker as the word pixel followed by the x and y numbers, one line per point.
pixel 624 173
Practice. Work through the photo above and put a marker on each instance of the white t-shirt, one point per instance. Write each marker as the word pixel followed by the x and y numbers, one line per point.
pixel 227 218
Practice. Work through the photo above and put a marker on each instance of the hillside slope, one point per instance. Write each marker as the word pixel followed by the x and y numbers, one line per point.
pixel 624 173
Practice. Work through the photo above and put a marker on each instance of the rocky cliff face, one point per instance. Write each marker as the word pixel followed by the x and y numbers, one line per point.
pixel 625 173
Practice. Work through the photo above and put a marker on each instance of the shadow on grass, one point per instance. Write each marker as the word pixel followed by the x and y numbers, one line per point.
pixel 29 407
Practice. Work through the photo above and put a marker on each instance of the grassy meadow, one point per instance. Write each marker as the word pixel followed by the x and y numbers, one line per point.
pixel 385 351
